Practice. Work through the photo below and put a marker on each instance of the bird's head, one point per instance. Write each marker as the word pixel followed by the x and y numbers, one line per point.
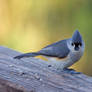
pixel 76 42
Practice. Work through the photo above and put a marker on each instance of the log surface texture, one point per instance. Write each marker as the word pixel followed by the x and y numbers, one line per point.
pixel 34 75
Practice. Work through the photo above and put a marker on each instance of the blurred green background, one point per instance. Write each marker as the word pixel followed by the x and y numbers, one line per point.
pixel 29 25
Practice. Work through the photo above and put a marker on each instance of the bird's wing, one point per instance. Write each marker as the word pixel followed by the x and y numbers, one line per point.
pixel 58 49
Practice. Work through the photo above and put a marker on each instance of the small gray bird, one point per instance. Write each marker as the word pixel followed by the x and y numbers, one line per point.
pixel 62 54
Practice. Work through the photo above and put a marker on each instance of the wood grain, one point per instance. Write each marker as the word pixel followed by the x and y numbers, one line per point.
pixel 34 75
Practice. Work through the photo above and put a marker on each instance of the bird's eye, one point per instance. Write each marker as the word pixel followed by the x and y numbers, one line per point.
pixel 80 44
pixel 72 44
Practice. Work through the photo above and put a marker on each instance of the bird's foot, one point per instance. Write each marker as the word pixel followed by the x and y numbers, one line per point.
pixel 71 71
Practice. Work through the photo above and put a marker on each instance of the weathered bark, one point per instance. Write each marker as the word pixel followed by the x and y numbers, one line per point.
pixel 34 75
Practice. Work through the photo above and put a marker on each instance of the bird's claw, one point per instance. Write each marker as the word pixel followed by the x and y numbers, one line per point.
pixel 71 71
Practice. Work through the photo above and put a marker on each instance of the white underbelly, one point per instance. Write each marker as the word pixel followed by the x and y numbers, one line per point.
pixel 72 58
pixel 65 62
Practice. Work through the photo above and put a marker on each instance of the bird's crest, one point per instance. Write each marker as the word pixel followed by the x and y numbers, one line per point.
pixel 77 38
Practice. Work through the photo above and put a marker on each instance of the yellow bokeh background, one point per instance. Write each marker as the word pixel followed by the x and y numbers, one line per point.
pixel 29 25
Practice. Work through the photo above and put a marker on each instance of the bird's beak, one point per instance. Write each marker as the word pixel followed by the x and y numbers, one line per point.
pixel 76 48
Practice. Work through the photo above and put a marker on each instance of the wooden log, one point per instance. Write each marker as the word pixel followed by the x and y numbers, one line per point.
pixel 34 75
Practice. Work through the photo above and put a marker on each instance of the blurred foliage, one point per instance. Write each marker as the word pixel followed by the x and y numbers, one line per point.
pixel 29 25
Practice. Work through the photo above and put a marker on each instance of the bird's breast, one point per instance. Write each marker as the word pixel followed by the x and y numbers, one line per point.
pixel 66 61
pixel 76 55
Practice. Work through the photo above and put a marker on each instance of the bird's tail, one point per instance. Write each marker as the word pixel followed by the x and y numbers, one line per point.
pixel 33 54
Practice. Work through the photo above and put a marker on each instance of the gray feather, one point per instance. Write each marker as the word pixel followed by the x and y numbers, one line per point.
pixel 58 49
pixel 27 55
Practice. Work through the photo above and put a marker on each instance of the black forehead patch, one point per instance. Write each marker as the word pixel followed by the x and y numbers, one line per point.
pixel 77 44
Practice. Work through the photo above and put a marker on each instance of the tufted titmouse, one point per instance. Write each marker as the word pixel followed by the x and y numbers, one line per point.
pixel 62 54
